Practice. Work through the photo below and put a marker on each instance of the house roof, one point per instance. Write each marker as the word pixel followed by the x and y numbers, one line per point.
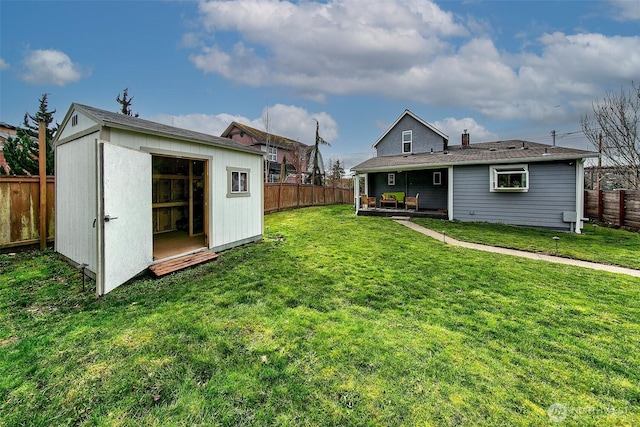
pixel 409 113
pixel 262 136
pixel 498 152
pixel 122 121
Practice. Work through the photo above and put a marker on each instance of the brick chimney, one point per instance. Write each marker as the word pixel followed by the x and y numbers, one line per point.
pixel 465 139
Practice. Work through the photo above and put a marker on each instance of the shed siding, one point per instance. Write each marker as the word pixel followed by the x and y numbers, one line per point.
pixel 83 124
pixel 232 220
pixel 424 139
pixel 235 219
pixel 552 190
pixel 75 199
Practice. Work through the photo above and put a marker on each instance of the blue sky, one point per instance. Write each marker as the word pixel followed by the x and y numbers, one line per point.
pixel 501 69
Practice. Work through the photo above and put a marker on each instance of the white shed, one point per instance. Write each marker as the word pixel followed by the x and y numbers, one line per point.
pixel 131 193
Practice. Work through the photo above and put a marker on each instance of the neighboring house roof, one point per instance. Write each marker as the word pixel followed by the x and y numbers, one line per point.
pixel 409 113
pixel 261 137
pixel 513 151
pixel 122 121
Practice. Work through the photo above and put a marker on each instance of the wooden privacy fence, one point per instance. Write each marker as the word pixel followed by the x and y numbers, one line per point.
pixel 20 210
pixel 617 207
pixel 20 205
pixel 279 197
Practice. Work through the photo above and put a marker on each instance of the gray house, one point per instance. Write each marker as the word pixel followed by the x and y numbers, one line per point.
pixel 513 182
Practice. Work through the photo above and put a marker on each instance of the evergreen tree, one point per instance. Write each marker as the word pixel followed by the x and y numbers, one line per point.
pixel 336 171
pixel 125 103
pixel 21 152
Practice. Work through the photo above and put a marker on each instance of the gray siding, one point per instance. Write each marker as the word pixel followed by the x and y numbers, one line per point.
pixel 552 190
pixel 424 139
pixel 412 182
pixel 431 196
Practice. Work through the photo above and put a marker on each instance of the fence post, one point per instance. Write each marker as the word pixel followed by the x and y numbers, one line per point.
pixel 600 202
pixel 621 212
pixel 42 164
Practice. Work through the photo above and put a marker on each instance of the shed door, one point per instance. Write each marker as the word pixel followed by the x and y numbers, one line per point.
pixel 124 227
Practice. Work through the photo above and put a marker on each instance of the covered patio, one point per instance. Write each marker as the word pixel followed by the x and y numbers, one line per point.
pixel 387 212
pixel 430 186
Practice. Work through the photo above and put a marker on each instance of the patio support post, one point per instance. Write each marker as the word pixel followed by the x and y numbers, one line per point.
pixel 450 193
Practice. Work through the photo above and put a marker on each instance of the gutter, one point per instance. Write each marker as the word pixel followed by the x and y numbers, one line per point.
pixel 423 166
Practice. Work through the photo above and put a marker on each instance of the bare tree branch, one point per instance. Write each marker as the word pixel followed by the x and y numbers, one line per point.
pixel 612 128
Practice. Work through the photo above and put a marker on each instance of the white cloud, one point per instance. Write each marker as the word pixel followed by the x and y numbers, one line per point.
pixel 212 124
pixel 4 65
pixel 342 45
pixel 626 10
pixel 455 127
pixel 284 120
pixel 50 66
pixel 411 50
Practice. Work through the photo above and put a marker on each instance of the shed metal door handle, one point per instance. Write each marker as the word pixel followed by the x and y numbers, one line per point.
pixel 108 218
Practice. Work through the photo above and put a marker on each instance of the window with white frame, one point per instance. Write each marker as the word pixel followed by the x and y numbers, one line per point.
pixel 391 179
pixel 407 140
pixel 274 177
pixel 509 178
pixel 437 178
pixel 272 154
pixel 238 182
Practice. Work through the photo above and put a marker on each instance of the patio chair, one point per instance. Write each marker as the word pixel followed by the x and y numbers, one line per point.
pixel 411 202
pixel 367 201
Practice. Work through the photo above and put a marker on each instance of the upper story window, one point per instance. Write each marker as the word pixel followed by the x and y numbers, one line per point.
pixel 272 154
pixel 407 140
pixel 512 178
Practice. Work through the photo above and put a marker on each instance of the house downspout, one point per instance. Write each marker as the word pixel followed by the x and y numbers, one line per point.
pixel 450 193
pixel 579 195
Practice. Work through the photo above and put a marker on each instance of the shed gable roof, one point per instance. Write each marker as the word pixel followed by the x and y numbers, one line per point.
pixel 512 151
pixel 121 121
pixel 418 119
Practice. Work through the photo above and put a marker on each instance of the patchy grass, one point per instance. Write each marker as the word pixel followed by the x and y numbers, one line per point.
pixel 597 244
pixel 332 320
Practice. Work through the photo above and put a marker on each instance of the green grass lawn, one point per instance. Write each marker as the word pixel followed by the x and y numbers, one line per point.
pixel 597 244
pixel 334 320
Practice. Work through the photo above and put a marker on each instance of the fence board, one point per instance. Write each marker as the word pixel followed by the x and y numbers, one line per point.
pixel 290 196
pixel 20 210
pixel 620 208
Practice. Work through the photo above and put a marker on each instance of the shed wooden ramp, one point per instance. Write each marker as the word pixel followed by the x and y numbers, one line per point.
pixel 166 267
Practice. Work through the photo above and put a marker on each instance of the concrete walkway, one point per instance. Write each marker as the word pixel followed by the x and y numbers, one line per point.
pixel 531 255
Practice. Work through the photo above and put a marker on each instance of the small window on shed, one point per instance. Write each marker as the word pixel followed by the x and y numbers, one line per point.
pixel 237 182
pixel 509 178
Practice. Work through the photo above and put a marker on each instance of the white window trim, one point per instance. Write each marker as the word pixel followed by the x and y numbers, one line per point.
pixel 272 154
pixel 495 171
pixel 437 178
pixel 239 192
pixel 410 141
pixel 391 179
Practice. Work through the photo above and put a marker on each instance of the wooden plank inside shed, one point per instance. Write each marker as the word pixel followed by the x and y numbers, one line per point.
pixel 176 264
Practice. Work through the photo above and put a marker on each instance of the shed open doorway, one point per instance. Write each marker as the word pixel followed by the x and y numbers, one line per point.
pixel 179 189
